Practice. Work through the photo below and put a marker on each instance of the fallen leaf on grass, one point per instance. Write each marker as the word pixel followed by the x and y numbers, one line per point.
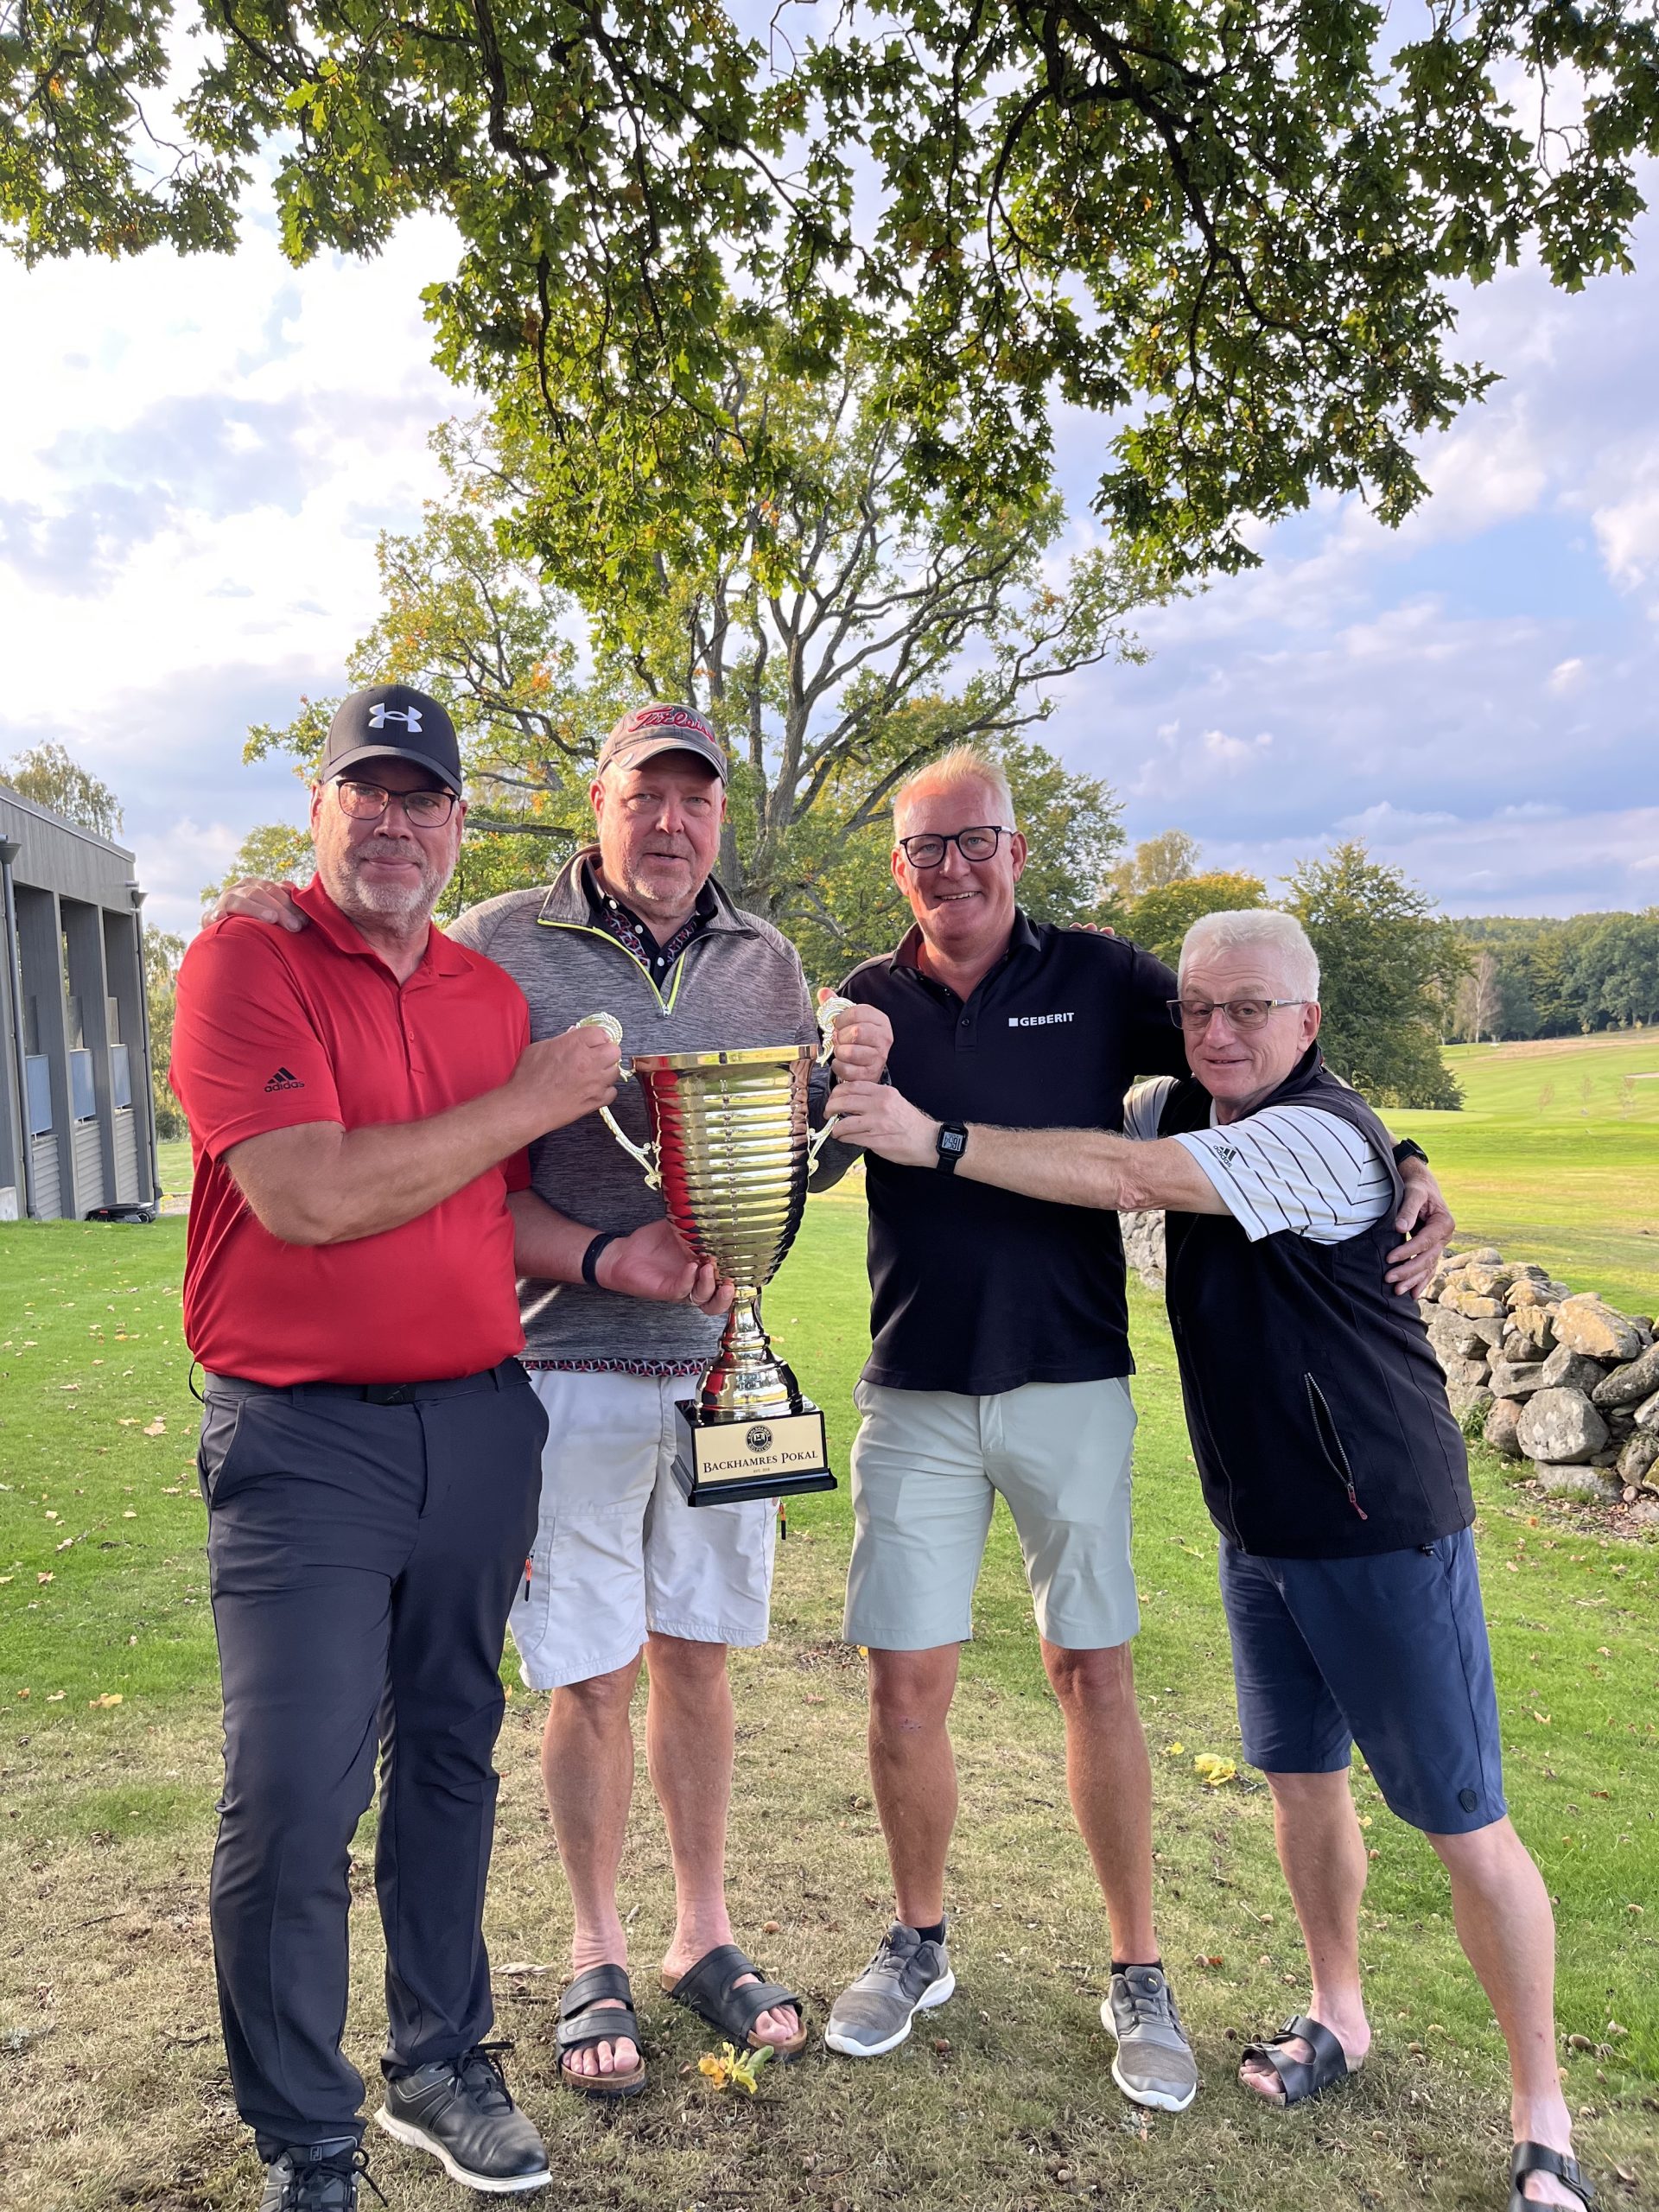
pixel 25 1692
pixel 1542 1718
pixel 731 2071
pixel 56 1697
pixel 1214 1770
pixel 156 1427
pixel 1174 1751
pixel 45 1578
pixel 110 1697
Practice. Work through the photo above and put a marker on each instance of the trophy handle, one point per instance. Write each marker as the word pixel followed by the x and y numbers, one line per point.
pixel 643 1153
pixel 826 1018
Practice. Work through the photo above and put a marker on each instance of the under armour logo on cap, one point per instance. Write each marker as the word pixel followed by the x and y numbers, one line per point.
pixel 392 722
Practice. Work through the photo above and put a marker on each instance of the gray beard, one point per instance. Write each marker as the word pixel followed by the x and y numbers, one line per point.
pixel 387 902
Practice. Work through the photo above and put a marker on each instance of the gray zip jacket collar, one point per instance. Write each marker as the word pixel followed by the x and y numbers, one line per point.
pixel 738 984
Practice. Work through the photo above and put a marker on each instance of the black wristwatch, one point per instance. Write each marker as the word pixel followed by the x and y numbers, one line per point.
pixel 952 1143
pixel 1407 1148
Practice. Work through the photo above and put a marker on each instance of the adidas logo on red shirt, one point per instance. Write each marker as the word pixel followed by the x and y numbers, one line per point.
pixel 284 1079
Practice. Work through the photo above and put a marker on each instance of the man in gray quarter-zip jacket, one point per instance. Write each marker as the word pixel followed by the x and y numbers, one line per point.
pixel 622 1569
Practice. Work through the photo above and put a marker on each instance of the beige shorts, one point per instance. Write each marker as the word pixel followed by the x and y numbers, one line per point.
pixel 617 1551
pixel 927 1468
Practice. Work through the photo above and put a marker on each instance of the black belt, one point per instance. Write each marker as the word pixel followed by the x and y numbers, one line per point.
pixel 369 1394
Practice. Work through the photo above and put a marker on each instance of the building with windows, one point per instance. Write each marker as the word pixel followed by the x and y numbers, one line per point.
pixel 76 1121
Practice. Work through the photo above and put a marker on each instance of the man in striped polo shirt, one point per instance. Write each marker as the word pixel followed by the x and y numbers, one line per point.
pixel 1336 1476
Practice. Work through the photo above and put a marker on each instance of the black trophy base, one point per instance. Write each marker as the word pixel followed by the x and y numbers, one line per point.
pixel 723 1460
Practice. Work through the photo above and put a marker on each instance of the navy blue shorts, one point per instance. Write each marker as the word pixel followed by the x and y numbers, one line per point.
pixel 1389 1653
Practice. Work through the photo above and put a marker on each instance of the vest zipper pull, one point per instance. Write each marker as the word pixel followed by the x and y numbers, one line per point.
pixel 1353 1500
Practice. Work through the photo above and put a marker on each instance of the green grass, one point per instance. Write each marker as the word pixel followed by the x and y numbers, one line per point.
pixel 1554 1156
pixel 175 1168
pixel 116 2093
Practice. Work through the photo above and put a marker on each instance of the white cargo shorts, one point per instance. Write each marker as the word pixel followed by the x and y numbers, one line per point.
pixel 617 1551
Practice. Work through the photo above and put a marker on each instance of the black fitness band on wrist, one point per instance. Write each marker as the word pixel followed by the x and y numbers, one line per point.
pixel 591 1256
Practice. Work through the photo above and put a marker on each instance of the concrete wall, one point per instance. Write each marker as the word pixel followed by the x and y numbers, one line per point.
pixel 71 981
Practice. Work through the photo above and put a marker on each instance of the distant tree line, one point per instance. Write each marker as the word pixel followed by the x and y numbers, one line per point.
pixel 1531 977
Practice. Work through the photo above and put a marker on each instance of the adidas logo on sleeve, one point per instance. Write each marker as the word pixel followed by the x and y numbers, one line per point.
pixel 284 1079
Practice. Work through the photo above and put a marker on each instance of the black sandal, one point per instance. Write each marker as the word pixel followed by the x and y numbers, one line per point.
pixel 581 2028
pixel 1302 2079
pixel 710 1990
pixel 1538 2158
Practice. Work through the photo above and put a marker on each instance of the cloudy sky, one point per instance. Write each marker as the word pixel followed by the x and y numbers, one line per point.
pixel 195 457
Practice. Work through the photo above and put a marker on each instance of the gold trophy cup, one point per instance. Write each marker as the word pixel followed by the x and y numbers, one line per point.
pixel 730 1151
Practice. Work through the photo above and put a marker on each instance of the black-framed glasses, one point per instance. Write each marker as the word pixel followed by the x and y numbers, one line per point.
pixel 1243 1014
pixel 425 809
pixel 978 844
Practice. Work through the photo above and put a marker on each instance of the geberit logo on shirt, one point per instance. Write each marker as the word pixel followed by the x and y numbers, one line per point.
pixel 1040 1020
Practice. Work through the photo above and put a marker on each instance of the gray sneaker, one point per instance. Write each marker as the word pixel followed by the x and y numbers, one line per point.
pixel 906 1977
pixel 1154 2064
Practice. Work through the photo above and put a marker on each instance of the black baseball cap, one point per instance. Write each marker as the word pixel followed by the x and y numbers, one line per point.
pixel 644 732
pixel 392 722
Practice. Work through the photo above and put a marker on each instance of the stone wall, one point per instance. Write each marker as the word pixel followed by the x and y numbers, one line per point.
pixel 1561 1379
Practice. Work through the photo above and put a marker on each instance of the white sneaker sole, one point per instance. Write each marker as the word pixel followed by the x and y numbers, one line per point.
pixel 937 1993
pixel 1154 2099
pixel 404 2131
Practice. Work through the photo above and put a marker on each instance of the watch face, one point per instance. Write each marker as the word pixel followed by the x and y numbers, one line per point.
pixel 952 1141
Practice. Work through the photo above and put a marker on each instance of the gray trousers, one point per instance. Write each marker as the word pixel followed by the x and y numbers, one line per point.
pixel 362 1556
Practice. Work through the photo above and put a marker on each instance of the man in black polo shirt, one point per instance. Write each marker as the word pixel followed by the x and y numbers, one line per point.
pixel 1000 1363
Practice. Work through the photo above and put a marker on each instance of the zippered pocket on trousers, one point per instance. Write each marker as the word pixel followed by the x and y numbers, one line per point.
pixel 1324 1428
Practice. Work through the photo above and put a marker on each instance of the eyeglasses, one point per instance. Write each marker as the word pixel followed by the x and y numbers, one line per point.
pixel 425 809
pixel 976 845
pixel 1243 1013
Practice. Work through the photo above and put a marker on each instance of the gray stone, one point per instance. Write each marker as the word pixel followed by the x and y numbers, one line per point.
pixel 1465 1373
pixel 1628 1385
pixel 1534 1328
pixel 1575 1481
pixel 1453 1336
pixel 1488 1282
pixel 1599 1331
pixel 1143 1244
pixel 1467 1397
pixel 1484 1255
pixel 1566 1369
pixel 1646 1414
pixel 1508 1380
pixel 1501 1418
pixel 1639 1457
pixel 1560 1426
pixel 1489 1332
pixel 1473 1303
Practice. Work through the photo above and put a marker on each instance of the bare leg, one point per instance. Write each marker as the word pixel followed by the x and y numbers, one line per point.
pixel 1508 1935
pixel 691 1739
pixel 1110 1778
pixel 914 1772
pixel 588 1768
pixel 1323 1855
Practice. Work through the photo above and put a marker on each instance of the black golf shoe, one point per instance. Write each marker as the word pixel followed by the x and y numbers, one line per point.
pixel 459 2109
pixel 315 2178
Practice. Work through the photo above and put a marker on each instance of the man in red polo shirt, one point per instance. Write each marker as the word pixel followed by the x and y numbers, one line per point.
pixel 359 1098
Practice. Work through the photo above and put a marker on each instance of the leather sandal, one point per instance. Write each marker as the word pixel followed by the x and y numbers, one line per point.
pixel 1301 2077
pixel 710 1990
pixel 1538 2158
pixel 582 2027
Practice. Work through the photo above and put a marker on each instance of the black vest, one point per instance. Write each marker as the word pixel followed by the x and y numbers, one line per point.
pixel 1316 1406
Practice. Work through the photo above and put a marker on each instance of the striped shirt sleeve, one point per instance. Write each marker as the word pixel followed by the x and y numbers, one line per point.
pixel 1294 1167
pixel 1143 1107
